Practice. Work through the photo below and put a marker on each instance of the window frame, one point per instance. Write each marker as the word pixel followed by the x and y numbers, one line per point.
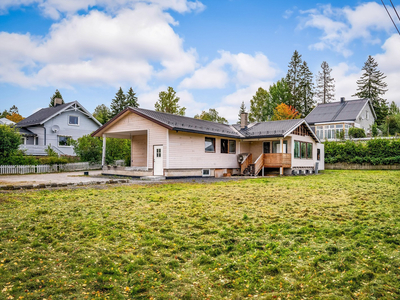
pixel 212 142
pixel 66 136
pixel 69 119
pixel 300 149
pixel 285 142
pixel 228 146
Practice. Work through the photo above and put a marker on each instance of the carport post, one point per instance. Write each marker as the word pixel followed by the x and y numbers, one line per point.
pixel 103 155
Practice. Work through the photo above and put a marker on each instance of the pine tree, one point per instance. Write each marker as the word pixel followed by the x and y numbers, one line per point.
pixel 393 109
pixel 131 99
pixel 325 84
pixel 293 80
pixel 13 110
pixel 168 103
pixel 57 94
pixel 242 109
pixel 306 88
pixel 118 104
pixel 102 113
pixel 371 86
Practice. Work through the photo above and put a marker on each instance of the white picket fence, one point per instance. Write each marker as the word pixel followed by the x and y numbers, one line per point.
pixel 82 166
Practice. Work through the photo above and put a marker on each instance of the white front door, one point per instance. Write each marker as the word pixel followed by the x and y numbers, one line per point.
pixel 158 161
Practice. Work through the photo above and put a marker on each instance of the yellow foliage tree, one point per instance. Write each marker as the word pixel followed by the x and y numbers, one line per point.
pixel 15 117
pixel 285 112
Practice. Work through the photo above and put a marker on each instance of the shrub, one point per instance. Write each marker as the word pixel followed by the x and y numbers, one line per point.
pixel 52 160
pixel 10 141
pixel 50 152
pixel 356 132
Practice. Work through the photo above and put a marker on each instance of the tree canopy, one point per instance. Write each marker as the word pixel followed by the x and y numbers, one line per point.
pixel 261 106
pixel 371 86
pixel 212 115
pixel 15 117
pixel 102 113
pixel 285 112
pixel 168 103
pixel 131 99
pixel 118 104
pixel 10 141
pixel 56 94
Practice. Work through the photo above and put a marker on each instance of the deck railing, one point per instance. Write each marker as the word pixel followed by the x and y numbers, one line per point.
pixel 277 160
pixel 246 162
pixel 258 164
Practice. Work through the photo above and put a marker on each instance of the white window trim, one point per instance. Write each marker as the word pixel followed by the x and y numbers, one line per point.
pixel 206 175
pixel 73 124
pixel 58 141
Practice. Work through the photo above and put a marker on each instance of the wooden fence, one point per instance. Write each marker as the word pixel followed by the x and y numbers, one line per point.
pixel 48 168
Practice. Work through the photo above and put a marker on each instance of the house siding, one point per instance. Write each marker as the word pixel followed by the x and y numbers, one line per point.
pixel 363 121
pixel 301 162
pixel 86 126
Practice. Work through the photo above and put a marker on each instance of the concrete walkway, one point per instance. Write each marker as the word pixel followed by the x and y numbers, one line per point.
pixel 67 177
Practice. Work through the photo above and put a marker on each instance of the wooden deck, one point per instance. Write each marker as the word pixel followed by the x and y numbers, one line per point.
pixel 266 160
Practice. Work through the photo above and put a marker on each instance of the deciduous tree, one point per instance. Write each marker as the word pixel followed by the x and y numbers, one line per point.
pixel 280 93
pixel 371 86
pixel 102 113
pixel 15 117
pixel 325 90
pixel 285 112
pixel 212 115
pixel 393 109
pixel 261 107
pixel 168 103
pixel 10 141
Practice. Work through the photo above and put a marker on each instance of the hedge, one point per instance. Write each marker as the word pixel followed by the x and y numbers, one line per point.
pixel 375 151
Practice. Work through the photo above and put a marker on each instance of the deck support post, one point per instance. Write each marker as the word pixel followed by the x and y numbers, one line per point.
pixel 103 154
pixel 262 174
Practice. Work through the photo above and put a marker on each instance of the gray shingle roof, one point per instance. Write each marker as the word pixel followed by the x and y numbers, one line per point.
pixel 41 115
pixel 336 111
pixel 270 129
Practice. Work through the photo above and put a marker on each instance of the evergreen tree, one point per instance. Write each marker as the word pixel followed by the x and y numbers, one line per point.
pixel 293 79
pixel 280 92
pixel 212 115
pixel 242 109
pixel 393 109
pixel 261 107
pixel 168 103
pixel 57 94
pixel 5 113
pixel 371 86
pixel 325 84
pixel 13 110
pixel 118 104
pixel 306 88
pixel 102 113
pixel 131 99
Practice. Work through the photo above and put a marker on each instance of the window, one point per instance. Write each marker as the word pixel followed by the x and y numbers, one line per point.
pixel 276 147
pixel 73 120
pixel 228 146
pixel 303 150
pixel 232 147
pixel 296 149
pixel 210 144
pixel 309 150
pixel 367 115
pixel 206 172
pixel 158 152
pixel 319 154
pixel 64 141
pixel 266 147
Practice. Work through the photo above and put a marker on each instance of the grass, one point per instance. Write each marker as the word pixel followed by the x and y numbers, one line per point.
pixel 332 236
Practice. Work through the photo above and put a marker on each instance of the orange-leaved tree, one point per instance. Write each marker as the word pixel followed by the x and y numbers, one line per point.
pixel 285 112
pixel 15 117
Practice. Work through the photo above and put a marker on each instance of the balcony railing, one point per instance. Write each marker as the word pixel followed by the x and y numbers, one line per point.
pixel 277 160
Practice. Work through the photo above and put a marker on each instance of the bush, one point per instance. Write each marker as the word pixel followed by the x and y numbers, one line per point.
pixel 356 132
pixel 10 141
pixel 52 160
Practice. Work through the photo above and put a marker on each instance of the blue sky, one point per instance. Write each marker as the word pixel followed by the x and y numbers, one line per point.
pixel 214 53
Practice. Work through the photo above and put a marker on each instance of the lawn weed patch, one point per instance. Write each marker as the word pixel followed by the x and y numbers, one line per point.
pixel 333 236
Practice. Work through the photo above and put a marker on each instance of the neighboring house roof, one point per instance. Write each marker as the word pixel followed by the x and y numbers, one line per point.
pixel 43 115
pixel 187 124
pixel 6 121
pixel 26 132
pixel 338 111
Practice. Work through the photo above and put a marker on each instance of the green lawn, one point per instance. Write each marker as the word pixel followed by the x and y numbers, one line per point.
pixel 332 236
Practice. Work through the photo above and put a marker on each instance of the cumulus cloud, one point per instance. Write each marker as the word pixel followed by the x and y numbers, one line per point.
pixel 340 26
pixel 55 8
pixel 240 69
pixel 96 49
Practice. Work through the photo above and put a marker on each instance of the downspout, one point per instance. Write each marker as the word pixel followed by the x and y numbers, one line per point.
pixel 44 142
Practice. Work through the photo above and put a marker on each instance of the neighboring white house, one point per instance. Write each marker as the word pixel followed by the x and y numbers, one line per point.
pixel 5 121
pixel 55 127
pixel 176 146
pixel 329 118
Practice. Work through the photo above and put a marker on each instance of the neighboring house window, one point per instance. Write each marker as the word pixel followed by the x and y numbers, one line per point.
pixel 23 141
pixel 367 115
pixel 303 150
pixel 228 146
pixel 210 144
pixel 73 120
pixel 64 141
pixel 276 147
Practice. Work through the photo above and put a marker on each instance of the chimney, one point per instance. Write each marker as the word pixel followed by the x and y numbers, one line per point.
pixel 57 101
pixel 243 120
pixel 342 99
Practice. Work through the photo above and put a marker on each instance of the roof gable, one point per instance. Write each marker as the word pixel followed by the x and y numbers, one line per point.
pixel 43 115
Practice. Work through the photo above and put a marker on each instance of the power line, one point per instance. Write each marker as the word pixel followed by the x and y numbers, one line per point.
pixel 390 17
pixel 395 10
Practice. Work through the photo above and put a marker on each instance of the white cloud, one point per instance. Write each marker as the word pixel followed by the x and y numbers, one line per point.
pixel 98 49
pixel 54 8
pixel 341 26
pixel 240 69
